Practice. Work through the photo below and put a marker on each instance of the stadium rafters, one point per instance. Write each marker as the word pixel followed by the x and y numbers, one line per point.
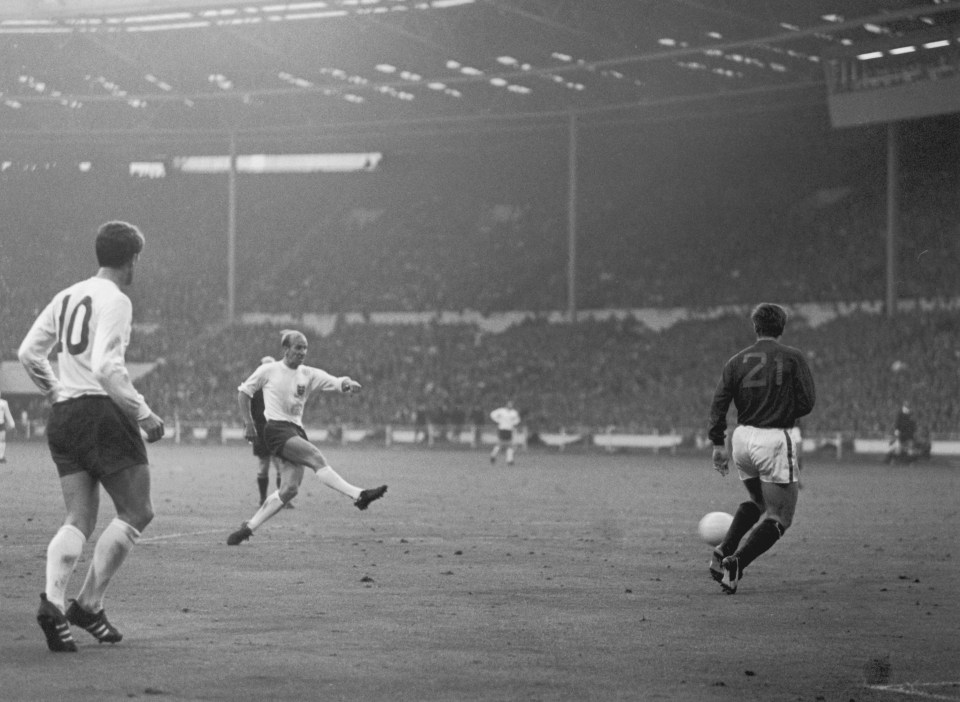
pixel 172 69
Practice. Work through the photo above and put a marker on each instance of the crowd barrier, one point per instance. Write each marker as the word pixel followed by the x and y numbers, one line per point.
pixel 608 440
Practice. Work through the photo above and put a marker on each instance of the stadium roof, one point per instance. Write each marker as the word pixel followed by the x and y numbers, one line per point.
pixel 171 69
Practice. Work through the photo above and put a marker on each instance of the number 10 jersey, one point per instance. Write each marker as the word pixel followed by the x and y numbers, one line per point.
pixel 91 320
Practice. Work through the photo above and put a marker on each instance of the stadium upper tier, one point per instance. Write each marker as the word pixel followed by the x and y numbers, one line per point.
pixel 488 230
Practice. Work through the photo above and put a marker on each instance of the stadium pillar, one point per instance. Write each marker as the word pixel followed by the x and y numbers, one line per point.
pixel 893 214
pixel 232 231
pixel 572 220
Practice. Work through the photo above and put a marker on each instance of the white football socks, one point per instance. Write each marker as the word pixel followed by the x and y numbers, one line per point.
pixel 112 548
pixel 63 552
pixel 270 507
pixel 329 477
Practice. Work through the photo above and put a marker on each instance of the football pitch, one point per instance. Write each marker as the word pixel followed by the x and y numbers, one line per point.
pixel 569 576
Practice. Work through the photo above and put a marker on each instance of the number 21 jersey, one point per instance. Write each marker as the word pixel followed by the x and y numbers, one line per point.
pixel 769 383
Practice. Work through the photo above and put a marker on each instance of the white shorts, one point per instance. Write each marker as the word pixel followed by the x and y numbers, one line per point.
pixel 773 455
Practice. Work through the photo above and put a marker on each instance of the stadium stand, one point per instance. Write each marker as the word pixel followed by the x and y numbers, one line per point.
pixel 456 240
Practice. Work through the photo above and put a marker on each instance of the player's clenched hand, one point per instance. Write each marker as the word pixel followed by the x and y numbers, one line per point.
pixel 350 385
pixel 152 427
pixel 720 460
pixel 250 432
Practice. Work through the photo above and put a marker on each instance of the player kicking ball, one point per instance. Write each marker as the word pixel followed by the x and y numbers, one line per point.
pixel 286 386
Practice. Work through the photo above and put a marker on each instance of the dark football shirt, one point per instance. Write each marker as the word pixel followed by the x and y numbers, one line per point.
pixel 905 426
pixel 256 410
pixel 769 383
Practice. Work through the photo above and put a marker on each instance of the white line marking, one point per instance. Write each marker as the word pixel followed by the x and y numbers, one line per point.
pixel 913 689
pixel 167 537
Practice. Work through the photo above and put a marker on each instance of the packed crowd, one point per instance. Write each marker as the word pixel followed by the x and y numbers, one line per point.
pixel 588 376
pixel 486 231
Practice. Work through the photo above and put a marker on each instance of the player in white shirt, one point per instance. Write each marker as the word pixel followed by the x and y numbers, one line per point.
pixel 507 420
pixel 6 424
pixel 93 433
pixel 286 385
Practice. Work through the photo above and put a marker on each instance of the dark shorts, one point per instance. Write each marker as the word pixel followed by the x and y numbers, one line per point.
pixel 276 434
pixel 260 448
pixel 505 435
pixel 91 434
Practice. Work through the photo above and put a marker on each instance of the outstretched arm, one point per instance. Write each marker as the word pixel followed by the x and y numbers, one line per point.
pixel 348 384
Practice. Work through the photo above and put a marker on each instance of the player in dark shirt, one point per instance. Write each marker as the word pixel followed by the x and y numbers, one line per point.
pixel 904 433
pixel 771 386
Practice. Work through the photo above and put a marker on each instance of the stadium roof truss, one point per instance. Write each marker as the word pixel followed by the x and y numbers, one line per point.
pixel 106 69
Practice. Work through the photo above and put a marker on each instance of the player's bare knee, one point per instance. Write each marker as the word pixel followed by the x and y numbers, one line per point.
pixel 143 517
pixel 138 519
pixel 287 493
pixel 84 523
pixel 779 522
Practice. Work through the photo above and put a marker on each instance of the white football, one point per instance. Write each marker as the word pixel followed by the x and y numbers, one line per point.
pixel 713 527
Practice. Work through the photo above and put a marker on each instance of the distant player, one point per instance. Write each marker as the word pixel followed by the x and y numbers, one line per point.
pixel 93 433
pixel 904 434
pixel 286 385
pixel 6 424
pixel 260 449
pixel 507 420
pixel 771 386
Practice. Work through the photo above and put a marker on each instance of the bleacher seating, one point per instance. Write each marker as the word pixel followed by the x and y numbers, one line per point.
pixel 484 233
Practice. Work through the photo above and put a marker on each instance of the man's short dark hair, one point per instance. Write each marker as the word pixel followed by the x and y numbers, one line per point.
pixel 117 244
pixel 769 319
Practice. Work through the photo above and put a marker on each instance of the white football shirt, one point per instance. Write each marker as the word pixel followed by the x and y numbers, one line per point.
pixel 506 418
pixel 92 320
pixel 6 418
pixel 286 389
